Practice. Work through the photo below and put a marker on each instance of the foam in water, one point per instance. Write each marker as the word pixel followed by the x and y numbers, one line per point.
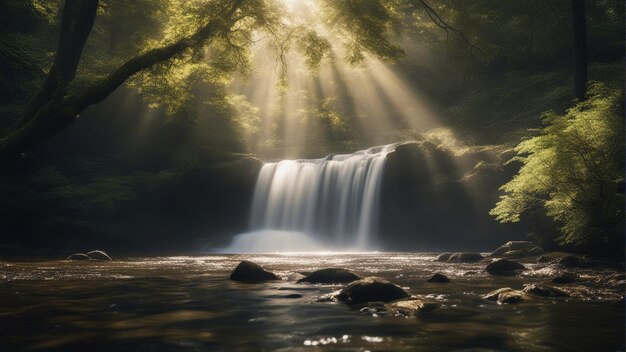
pixel 334 201
pixel 271 241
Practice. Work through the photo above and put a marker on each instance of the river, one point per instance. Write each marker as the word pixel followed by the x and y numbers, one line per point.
pixel 187 303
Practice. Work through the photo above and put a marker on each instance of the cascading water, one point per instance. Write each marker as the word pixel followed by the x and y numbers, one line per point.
pixel 299 204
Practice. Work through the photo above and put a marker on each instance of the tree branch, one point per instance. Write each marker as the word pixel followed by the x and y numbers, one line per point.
pixel 56 112
pixel 437 20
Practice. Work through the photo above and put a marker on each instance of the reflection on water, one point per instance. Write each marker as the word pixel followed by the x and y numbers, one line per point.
pixel 188 303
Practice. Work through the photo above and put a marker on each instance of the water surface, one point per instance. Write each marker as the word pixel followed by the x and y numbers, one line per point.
pixel 188 303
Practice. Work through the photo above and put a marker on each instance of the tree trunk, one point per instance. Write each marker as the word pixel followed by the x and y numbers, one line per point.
pixel 580 49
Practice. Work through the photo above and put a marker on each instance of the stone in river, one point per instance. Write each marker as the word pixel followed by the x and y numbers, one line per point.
pixel 572 261
pixel 330 276
pixel 248 271
pixel 371 289
pixel 439 278
pixel 409 307
pixel 565 278
pixel 545 291
pixel 504 267
pixel 505 295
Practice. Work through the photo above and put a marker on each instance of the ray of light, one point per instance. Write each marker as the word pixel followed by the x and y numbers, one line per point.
pixel 379 106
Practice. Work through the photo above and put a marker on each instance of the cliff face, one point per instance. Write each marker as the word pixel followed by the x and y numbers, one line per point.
pixel 435 198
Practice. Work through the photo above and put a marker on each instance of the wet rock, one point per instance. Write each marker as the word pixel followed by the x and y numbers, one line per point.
pixel 504 267
pixel 544 291
pixel 465 257
pixel 572 261
pixel 371 289
pixel 330 276
pixel 565 278
pixel 98 255
pixel 410 307
pixel 505 295
pixel 439 278
pixel 545 259
pixel 444 257
pixel 78 256
pixel 248 271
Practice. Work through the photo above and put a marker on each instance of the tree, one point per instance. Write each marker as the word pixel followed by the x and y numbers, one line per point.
pixel 55 105
pixel 574 170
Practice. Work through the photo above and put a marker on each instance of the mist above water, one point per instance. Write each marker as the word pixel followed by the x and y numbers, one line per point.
pixel 272 241
pixel 316 204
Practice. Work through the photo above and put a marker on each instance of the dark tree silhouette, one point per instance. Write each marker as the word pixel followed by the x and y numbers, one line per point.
pixel 580 49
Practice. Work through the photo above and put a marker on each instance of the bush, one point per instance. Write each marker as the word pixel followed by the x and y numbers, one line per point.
pixel 574 170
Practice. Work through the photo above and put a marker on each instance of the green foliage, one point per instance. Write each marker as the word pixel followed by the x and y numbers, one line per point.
pixel 366 27
pixel 574 170
pixel 315 48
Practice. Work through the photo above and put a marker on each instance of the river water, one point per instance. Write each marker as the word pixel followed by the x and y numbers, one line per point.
pixel 187 303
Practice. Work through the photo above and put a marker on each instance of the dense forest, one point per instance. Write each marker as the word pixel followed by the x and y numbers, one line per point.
pixel 141 124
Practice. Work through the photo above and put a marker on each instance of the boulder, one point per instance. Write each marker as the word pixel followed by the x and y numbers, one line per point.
pixel 78 256
pixel 439 278
pixel 504 267
pixel 330 276
pixel 572 261
pixel 465 257
pixel 248 271
pixel 544 291
pixel 98 255
pixel 565 278
pixel 371 289
pixel 444 257
pixel 545 259
pixel 505 295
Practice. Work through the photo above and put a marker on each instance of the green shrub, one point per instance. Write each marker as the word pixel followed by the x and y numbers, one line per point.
pixel 574 170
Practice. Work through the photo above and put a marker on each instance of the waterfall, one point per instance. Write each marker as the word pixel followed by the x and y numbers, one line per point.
pixel 335 199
